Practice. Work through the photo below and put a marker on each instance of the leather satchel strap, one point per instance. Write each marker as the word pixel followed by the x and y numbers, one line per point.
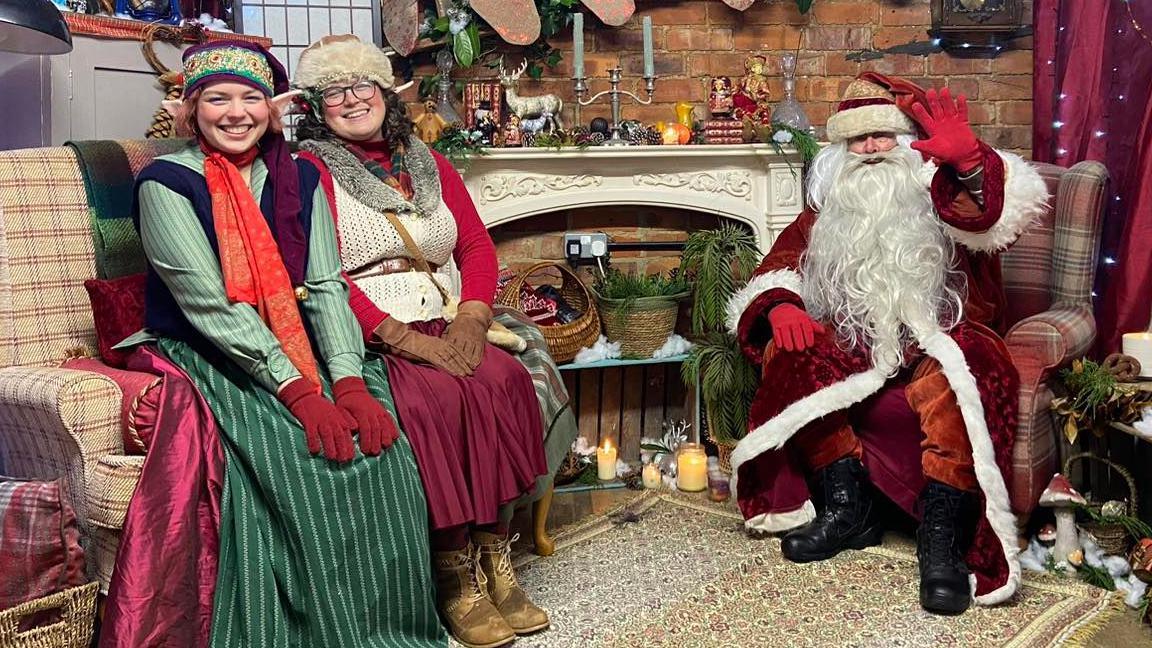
pixel 415 253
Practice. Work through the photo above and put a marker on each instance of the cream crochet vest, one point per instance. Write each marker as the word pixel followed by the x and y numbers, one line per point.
pixel 366 237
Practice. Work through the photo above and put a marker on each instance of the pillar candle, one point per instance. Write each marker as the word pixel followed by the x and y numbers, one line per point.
pixel 692 468
pixel 649 67
pixel 652 476
pixel 1139 346
pixel 606 461
pixel 578 45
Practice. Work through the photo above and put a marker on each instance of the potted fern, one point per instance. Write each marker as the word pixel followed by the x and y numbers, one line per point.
pixel 639 311
pixel 719 261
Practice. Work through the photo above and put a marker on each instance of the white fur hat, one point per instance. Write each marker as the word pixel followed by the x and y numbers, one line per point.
pixel 867 108
pixel 335 58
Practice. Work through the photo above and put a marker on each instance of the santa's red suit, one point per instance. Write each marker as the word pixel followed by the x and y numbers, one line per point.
pixel 946 413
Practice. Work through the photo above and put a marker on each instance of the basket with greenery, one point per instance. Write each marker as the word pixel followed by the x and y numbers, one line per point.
pixel 719 261
pixel 639 311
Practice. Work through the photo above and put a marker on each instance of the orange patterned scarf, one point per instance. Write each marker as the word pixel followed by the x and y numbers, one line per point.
pixel 254 272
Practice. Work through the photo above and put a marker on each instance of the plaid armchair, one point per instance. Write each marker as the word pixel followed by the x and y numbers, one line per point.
pixel 57 422
pixel 1048 277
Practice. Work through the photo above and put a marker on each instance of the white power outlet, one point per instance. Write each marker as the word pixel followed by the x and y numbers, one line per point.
pixel 585 245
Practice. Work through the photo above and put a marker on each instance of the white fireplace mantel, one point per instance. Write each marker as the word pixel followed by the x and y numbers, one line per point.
pixel 750 183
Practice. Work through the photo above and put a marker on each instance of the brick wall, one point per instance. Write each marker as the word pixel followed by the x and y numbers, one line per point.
pixel 694 39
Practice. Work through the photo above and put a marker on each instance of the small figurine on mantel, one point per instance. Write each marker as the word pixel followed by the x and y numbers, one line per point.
pixel 720 98
pixel 430 125
pixel 750 101
pixel 513 136
pixel 485 123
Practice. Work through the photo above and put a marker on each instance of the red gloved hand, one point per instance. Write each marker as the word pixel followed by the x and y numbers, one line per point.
pixel 792 328
pixel 327 428
pixel 950 137
pixel 377 430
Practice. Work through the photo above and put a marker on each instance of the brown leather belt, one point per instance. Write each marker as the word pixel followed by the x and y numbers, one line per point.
pixel 387 267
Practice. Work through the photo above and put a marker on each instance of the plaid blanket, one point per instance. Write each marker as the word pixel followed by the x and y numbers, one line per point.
pixel 39 542
pixel 109 182
pixel 560 428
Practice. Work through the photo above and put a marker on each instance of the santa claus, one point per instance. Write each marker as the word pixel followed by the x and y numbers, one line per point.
pixel 876 319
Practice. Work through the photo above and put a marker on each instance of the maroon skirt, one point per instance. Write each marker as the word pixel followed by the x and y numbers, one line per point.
pixel 478 441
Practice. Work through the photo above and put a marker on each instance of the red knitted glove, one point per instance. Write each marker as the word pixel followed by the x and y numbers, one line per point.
pixel 326 427
pixel 377 430
pixel 950 137
pixel 792 328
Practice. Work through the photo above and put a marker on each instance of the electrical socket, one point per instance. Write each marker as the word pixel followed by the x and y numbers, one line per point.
pixel 585 247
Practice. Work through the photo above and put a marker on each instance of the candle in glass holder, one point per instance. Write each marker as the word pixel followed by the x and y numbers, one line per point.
pixel 606 461
pixel 1139 346
pixel 691 468
pixel 652 476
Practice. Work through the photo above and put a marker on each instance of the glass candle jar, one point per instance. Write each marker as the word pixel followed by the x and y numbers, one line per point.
pixel 691 468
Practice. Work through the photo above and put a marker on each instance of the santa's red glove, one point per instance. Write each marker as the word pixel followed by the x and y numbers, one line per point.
pixel 792 328
pixel 377 430
pixel 950 138
pixel 327 428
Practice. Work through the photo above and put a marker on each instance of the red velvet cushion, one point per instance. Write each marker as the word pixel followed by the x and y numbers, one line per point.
pixel 118 311
pixel 39 541
pixel 139 403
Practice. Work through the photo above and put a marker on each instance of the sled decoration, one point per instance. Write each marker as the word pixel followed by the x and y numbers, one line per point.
pixel 401 23
pixel 517 21
pixel 612 12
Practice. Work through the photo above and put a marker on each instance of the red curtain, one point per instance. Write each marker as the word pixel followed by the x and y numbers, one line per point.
pixel 1092 100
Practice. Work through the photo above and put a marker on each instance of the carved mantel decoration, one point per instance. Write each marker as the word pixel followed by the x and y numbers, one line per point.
pixel 750 183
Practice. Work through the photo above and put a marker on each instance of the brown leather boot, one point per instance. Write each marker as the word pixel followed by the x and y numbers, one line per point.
pixel 470 616
pixel 503 590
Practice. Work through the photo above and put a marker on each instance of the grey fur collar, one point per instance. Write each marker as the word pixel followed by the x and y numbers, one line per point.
pixel 370 190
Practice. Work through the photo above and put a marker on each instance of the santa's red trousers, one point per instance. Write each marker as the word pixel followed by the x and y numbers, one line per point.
pixel 946 453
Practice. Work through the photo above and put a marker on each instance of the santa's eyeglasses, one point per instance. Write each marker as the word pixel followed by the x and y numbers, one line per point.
pixel 334 96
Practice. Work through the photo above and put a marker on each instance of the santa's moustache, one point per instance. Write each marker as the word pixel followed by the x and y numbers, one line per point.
pixel 879 263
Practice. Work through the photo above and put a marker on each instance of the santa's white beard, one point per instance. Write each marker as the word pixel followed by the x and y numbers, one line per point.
pixel 879 265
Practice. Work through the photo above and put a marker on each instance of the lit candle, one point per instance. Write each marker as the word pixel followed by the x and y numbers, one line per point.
pixel 649 68
pixel 606 461
pixel 1139 346
pixel 652 476
pixel 691 468
pixel 578 45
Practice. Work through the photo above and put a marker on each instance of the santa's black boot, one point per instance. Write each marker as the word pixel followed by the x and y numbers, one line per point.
pixel 847 521
pixel 943 538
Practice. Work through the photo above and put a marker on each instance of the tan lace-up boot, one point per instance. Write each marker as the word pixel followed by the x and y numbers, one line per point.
pixel 470 616
pixel 503 590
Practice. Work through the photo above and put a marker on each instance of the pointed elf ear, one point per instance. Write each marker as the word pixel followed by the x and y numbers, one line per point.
pixel 285 101
pixel 171 105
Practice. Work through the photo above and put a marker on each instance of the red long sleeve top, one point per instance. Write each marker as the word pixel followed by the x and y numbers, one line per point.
pixel 474 254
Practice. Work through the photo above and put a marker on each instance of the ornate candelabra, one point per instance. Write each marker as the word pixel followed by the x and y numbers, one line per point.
pixel 614 93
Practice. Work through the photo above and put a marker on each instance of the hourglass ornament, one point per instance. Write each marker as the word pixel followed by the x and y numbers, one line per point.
pixel 789 111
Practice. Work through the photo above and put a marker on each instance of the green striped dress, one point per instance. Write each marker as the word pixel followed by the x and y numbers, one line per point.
pixel 312 554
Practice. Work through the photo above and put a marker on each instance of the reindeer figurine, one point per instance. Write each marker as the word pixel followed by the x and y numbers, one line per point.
pixel 529 107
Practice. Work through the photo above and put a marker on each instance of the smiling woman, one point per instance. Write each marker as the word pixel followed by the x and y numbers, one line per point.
pixel 244 294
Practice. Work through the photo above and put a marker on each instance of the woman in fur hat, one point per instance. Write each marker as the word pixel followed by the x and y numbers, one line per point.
pixel 318 544
pixel 469 407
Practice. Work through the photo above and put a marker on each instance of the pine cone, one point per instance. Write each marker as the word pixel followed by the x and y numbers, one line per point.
pixel 1123 367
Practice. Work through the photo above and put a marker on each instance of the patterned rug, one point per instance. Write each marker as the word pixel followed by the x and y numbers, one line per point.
pixel 666 570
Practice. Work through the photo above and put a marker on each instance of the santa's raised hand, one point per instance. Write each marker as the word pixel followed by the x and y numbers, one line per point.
pixel 950 138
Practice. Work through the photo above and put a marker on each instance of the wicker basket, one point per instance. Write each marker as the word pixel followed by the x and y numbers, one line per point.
pixel 72 630
pixel 564 340
pixel 1112 538
pixel 641 325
